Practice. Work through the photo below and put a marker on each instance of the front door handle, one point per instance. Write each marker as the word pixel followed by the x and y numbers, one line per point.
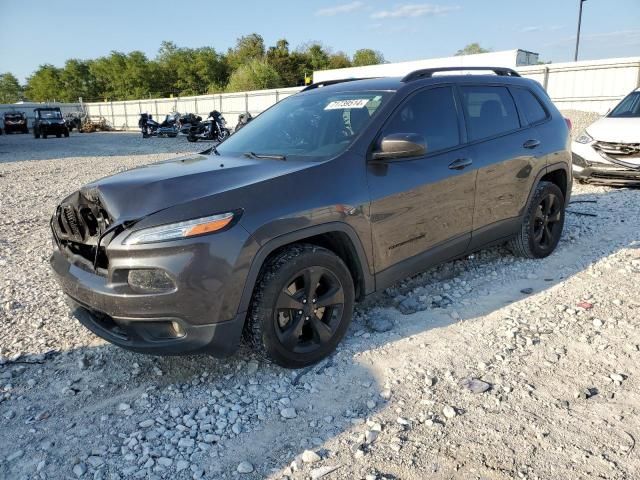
pixel 531 144
pixel 460 164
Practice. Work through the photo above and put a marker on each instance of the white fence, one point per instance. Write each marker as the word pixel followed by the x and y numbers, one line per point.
pixel 592 86
pixel 125 115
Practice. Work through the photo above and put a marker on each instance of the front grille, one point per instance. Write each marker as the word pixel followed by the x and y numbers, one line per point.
pixel 77 227
pixel 618 150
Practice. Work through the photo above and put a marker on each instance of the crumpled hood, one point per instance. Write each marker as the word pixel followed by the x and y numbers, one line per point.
pixel 616 130
pixel 137 193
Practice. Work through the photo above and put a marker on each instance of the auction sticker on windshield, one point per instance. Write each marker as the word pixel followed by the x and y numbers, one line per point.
pixel 353 103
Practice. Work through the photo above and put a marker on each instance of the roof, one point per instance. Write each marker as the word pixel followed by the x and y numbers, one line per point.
pixel 357 84
pixel 396 83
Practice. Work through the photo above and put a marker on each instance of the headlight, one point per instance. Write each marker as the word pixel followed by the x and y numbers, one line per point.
pixel 584 137
pixel 174 231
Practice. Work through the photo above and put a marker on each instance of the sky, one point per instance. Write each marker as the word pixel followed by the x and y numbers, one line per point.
pixel 54 31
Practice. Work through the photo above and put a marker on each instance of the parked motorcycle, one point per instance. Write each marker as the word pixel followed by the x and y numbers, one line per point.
pixel 213 128
pixel 151 128
pixel 186 121
pixel 243 119
pixel 170 125
pixel 148 126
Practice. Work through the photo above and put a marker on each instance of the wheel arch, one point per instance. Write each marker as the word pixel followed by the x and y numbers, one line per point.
pixel 338 237
pixel 557 173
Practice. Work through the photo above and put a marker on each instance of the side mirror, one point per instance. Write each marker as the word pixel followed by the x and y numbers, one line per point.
pixel 400 145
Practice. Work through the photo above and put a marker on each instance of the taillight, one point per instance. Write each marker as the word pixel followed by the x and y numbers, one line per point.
pixel 569 124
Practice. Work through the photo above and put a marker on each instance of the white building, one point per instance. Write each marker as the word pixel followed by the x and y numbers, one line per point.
pixel 506 58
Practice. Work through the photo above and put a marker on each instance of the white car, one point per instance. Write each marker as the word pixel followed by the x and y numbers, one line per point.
pixel 608 151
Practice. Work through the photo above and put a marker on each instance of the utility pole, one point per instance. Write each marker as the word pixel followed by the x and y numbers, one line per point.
pixel 575 57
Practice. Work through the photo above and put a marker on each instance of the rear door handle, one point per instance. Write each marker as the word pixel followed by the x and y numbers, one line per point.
pixel 531 143
pixel 460 164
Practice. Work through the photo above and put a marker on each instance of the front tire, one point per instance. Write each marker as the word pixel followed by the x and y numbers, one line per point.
pixel 191 138
pixel 542 224
pixel 301 307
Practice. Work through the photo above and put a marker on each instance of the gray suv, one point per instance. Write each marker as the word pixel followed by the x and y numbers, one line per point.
pixel 328 196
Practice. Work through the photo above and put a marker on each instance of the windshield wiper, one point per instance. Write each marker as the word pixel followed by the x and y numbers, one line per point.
pixel 265 155
pixel 212 148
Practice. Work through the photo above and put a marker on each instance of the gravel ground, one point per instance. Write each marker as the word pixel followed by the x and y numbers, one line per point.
pixel 489 367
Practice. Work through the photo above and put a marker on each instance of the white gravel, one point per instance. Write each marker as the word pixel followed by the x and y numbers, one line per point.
pixel 465 377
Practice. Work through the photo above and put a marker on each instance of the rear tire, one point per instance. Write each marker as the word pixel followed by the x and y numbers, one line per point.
pixel 300 278
pixel 542 224
pixel 191 138
pixel 66 133
pixel 36 133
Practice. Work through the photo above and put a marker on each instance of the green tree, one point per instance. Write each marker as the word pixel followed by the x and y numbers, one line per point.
pixel 188 71
pixel 44 84
pixel 317 56
pixel 10 89
pixel 123 76
pixel 339 60
pixel 77 81
pixel 289 65
pixel 255 75
pixel 472 49
pixel 367 56
pixel 248 48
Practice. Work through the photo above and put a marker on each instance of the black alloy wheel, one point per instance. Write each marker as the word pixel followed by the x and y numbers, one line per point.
pixel 542 223
pixel 301 307
pixel 308 310
pixel 546 224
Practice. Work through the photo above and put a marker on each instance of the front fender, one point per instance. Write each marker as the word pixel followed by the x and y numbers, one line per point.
pixel 272 245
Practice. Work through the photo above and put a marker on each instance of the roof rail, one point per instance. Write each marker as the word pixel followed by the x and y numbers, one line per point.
pixel 329 82
pixel 428 72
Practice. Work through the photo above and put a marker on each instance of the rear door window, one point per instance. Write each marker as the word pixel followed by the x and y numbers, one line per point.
pixel 489 110
pixel 530 106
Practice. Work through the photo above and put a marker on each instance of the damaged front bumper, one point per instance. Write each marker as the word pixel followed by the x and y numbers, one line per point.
pixel 168 298
pixel 591 165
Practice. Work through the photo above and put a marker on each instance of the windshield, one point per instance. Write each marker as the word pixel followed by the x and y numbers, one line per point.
pixel 628 107
pixel 50 114
pixel 313 126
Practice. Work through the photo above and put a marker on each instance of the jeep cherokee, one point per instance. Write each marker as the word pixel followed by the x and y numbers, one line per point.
pixel 328 196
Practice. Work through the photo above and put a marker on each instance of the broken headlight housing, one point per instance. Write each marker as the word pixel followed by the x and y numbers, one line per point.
pixel 584 137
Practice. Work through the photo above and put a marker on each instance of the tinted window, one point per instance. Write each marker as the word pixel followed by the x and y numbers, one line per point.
pixel 430 113
pixel 530 105
pixel 628 107
pixel 489 111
